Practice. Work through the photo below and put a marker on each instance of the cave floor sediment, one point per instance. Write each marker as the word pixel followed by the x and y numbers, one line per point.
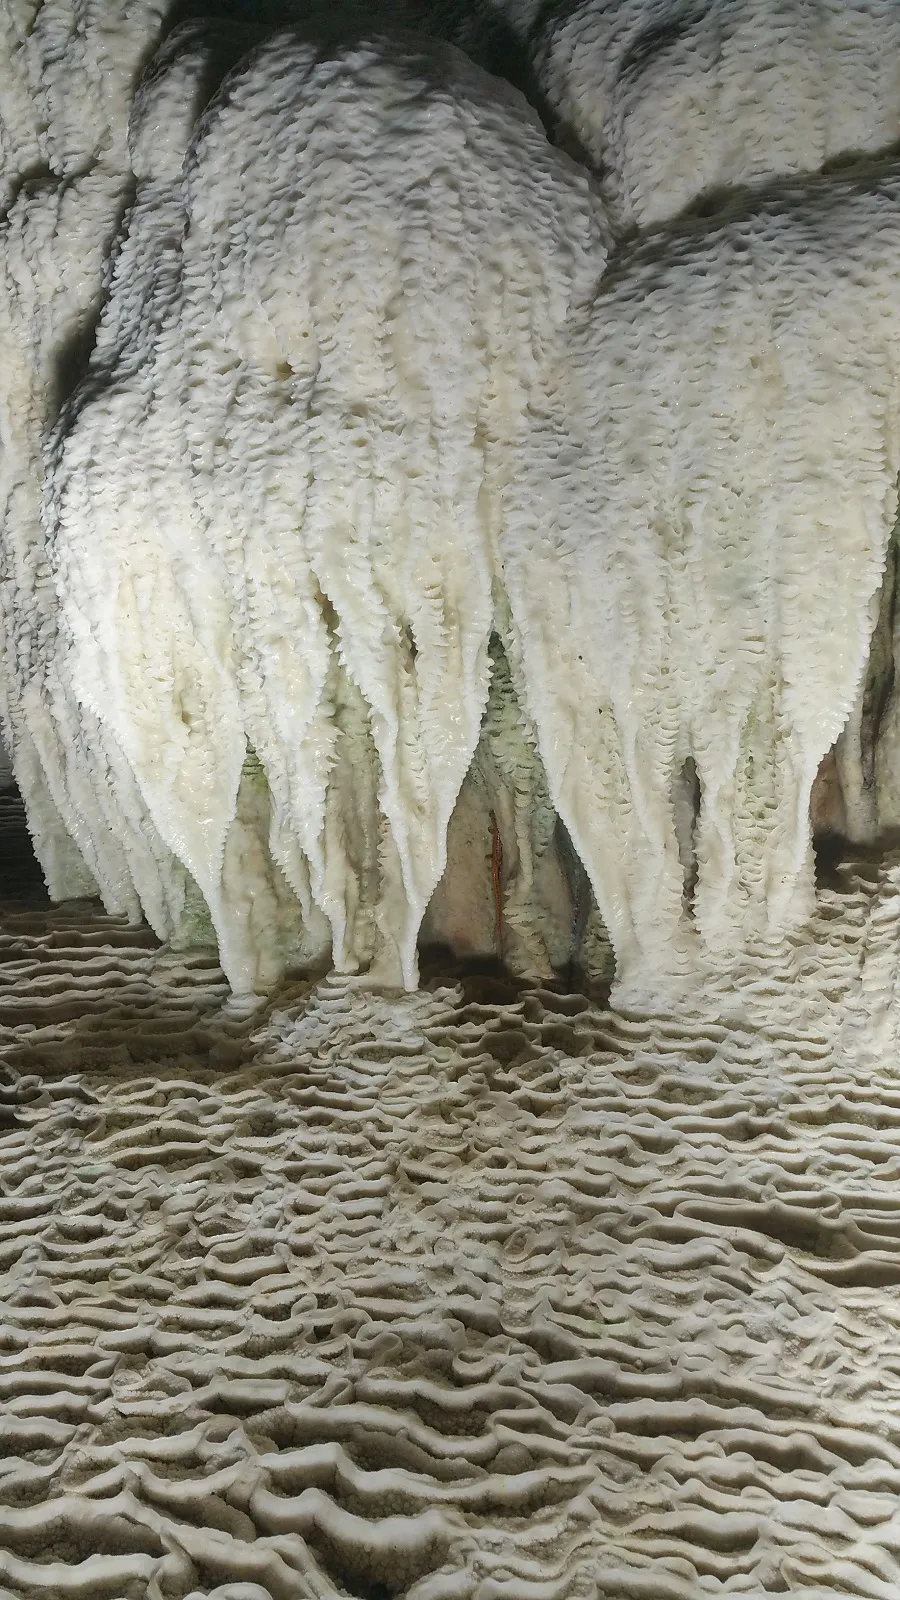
pixel 484 1291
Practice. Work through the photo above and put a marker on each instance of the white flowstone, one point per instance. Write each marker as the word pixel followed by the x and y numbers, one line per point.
pixel 676 102
pixel 697 545
pixel 276 501
pixel 67 70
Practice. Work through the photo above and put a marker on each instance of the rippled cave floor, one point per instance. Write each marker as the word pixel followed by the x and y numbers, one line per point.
pixel 481 1292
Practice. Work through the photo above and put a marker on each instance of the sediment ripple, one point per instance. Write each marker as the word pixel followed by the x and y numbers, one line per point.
pixel 481 1292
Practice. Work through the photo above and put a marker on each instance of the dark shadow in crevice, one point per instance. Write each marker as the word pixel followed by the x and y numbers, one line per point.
pixel 879 681
pixel 21 879
pixel 846 808
pixel 484 980
pixel 839 860
pixel 484 36
pixel 687 799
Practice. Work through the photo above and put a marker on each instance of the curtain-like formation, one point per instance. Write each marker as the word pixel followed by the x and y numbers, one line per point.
pixel 358 391
pixel 275 503
pixel 691 567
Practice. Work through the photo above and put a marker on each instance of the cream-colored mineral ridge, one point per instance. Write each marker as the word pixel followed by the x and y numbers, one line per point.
pixel 449 1111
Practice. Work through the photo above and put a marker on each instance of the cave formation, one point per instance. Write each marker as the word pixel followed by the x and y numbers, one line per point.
pixel 450 999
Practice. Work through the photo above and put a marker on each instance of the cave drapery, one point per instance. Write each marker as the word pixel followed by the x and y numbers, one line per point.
pixel 358 394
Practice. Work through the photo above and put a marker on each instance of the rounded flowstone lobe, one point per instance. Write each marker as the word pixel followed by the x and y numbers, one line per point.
pixel 678 107
pixel 314 374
